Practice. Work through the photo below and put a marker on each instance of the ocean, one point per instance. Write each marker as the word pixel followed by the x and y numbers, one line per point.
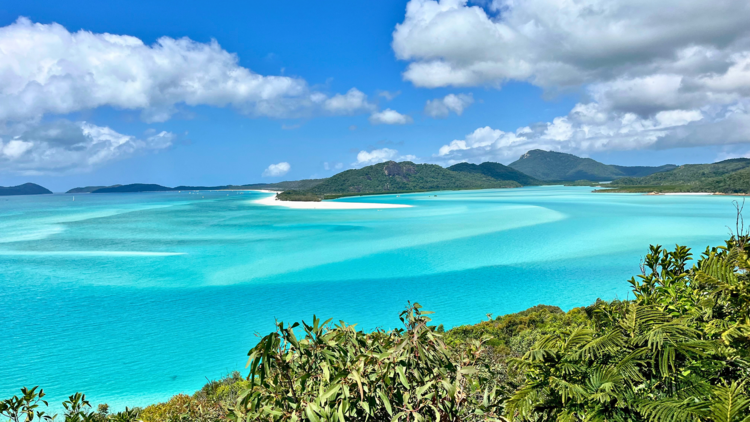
pixel 132 298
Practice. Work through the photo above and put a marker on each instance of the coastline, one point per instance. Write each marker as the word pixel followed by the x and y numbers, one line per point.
pixel 323 205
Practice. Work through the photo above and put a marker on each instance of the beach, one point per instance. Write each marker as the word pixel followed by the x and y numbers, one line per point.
pixel 325 205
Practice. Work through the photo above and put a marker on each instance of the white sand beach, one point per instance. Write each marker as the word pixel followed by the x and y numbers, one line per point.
pixel 325 205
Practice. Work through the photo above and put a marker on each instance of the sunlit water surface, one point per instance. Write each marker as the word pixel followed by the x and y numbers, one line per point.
pixel 132 298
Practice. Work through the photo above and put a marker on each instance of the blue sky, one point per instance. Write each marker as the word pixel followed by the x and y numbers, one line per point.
pixel 514 92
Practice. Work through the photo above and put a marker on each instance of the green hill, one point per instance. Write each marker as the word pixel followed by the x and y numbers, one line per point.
pixel 89 189
pixel 392 177
pixel 25 189
pixel 558 166
pixel 496 171
pixel 728 176
pixel 135 187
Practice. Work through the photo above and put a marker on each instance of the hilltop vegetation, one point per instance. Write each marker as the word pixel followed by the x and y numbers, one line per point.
pixel 728 176
pixel 678 351
pixel 25 189
pixel 393 177
pixel 405 176
pixel 557 166
pixel 496 171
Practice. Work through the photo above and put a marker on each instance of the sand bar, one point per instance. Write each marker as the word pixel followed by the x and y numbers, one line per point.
pixel 326 205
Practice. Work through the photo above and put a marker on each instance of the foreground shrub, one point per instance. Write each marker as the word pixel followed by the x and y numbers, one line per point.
pixel 336 373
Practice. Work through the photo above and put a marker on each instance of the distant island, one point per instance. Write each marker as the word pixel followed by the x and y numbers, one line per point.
pixel 89 189
pixel 146 187
pixel 25 189
pixel 534 168
pixel 725 177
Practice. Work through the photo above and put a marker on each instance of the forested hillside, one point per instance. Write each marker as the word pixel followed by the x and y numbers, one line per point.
pixel 728 176
pixel 393 177
pixel 557 166
pixel 496 171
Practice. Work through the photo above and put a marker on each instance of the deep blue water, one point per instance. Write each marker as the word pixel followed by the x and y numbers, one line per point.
pixel 131 298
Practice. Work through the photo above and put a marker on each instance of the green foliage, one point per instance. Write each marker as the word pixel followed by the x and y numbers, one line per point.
pixel 296 195
pixel 336 373
pixel 25 407
pixel 678 352
pixel 404 177
pixel 557 166
pixel 496 171
pixel 728 176
pixel 77 409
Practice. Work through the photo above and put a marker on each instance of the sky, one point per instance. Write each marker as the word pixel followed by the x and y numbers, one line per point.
pixel 214 93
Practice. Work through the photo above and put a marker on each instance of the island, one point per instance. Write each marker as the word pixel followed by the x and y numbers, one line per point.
pixel 24 189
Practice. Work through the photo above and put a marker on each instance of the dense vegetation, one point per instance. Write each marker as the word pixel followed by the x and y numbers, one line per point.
pixel 496 171
pixel 728 176
pixel 557 166
pixel 25 189
pixel 393 177
pixel 678 351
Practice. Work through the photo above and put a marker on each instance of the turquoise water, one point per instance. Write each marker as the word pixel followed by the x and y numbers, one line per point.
pixel 131 298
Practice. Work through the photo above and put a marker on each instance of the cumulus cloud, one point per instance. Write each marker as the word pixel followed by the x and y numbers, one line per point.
pixel 390 117
pixel 47 70
pixel 366 158
pixel 591 128
pixel 641 66
pixel 276 170
pixel 352 102
pixel 66 147
pixel 552 43
pixel 442 107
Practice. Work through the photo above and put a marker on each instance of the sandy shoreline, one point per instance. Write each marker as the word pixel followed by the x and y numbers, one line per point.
pixel 324 205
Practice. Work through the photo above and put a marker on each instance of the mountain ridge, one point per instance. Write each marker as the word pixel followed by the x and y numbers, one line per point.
pixel 558 166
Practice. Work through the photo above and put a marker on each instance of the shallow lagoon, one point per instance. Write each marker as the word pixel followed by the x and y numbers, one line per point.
pixel 132 298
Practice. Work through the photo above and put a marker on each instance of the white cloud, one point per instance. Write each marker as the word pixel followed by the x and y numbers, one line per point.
pixel 553 43
pixel 45 69
pixel 376 156
pixel 366 158
pixel 651 73
pixel 390 117
pixel 441 107
pixel 352 102
pixel 67 147
pixel 591 128
pixel 276 170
